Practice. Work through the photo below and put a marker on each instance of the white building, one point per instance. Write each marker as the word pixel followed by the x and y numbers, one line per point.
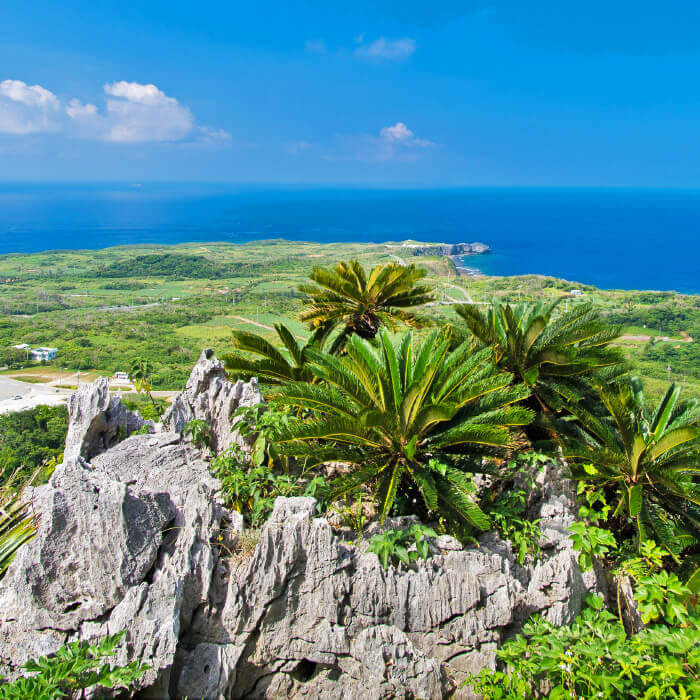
pixel 576 293
pixel 22 346
pixel 121 376
pixel 39 354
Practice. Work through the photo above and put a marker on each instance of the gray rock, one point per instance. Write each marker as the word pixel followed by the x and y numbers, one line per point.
pixel 138 540
pixel 211 397
pixel 97 420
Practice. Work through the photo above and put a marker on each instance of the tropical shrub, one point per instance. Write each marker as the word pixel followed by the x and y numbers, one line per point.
pixel 29 438
pixel 508 500
pixel 141 375
pixel 17 524
pixel 402 545
pixel 359 303
pixel 591 543
pixel 199 432
pixel 411 422
pixel 271 364
pixel 73 669
pixel 251 489
pixel 552 354
pixel 594 658
pixel 661 596
pixel 648 454
pixel 259 425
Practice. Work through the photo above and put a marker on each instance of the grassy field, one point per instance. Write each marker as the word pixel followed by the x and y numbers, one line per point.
pixel 103 309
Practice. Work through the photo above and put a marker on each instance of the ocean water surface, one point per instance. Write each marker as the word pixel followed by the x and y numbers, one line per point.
pixel 612 238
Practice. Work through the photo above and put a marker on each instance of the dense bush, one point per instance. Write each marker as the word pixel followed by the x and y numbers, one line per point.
pixel 594 658
pixel 28 438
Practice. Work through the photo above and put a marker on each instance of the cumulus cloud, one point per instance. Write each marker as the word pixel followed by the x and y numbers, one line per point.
pixel 27 109
pixel 400 136
pixel 384 49
pixel 395 142
pixel 133 113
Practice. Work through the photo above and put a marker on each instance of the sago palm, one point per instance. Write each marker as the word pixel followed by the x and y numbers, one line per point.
pixel 409 421
pixel 651 454
pixel 552 354
pixel 256 356
pixel 358 302
pixel 17 524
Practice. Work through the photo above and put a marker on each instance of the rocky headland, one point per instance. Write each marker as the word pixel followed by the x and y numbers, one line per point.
pixel 450 249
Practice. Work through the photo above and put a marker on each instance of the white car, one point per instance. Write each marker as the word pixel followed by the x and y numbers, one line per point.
pixel 17 397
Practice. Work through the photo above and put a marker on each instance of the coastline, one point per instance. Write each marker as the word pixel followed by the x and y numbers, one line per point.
pixel 575 234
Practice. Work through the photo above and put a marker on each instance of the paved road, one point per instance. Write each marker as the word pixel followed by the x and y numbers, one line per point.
pixel 32 395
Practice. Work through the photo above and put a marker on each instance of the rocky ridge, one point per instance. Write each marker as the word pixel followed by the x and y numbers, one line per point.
pixel 133 536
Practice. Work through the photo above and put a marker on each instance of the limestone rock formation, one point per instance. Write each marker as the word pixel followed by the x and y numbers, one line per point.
pixel 97 420
pixel 211 397
pixel 137 539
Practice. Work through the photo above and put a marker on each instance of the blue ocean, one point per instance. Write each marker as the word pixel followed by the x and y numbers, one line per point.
pixel 612 238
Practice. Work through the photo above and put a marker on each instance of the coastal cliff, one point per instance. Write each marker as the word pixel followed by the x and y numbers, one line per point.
pixel 446 248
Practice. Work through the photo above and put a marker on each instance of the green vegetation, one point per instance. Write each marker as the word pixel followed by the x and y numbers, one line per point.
pixel 30 438
pixel 410 419
pixel 17 524
pixel 73 669
pixel 648 454
pixel 376 420
pixel 402 546
pixel 175 300
pixel 273 366
pixel 595 658
pixel 551 354
pixel 360 303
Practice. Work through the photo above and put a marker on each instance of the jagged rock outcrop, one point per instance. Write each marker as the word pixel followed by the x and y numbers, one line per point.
pixel 211 397
pixel 97 420
pixel 137 539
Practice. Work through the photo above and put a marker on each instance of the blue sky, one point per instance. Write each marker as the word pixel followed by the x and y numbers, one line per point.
pixel 380 93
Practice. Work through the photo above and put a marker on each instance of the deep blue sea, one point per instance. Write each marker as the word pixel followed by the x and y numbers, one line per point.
pixel 612 238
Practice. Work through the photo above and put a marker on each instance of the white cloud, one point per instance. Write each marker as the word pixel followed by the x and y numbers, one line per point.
pixel 398 132
pixel 133 113
pixel 395 142
pixel 27 109
pixel 316 46
pixel 75 109
pixel 400 136
pixel 383 49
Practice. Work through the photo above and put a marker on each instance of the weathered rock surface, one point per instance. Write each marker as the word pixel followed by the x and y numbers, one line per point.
pixel 138 540
pixel 211 397
pixel 97 420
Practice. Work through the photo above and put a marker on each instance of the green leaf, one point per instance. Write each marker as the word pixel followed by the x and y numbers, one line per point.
pixel 635 500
